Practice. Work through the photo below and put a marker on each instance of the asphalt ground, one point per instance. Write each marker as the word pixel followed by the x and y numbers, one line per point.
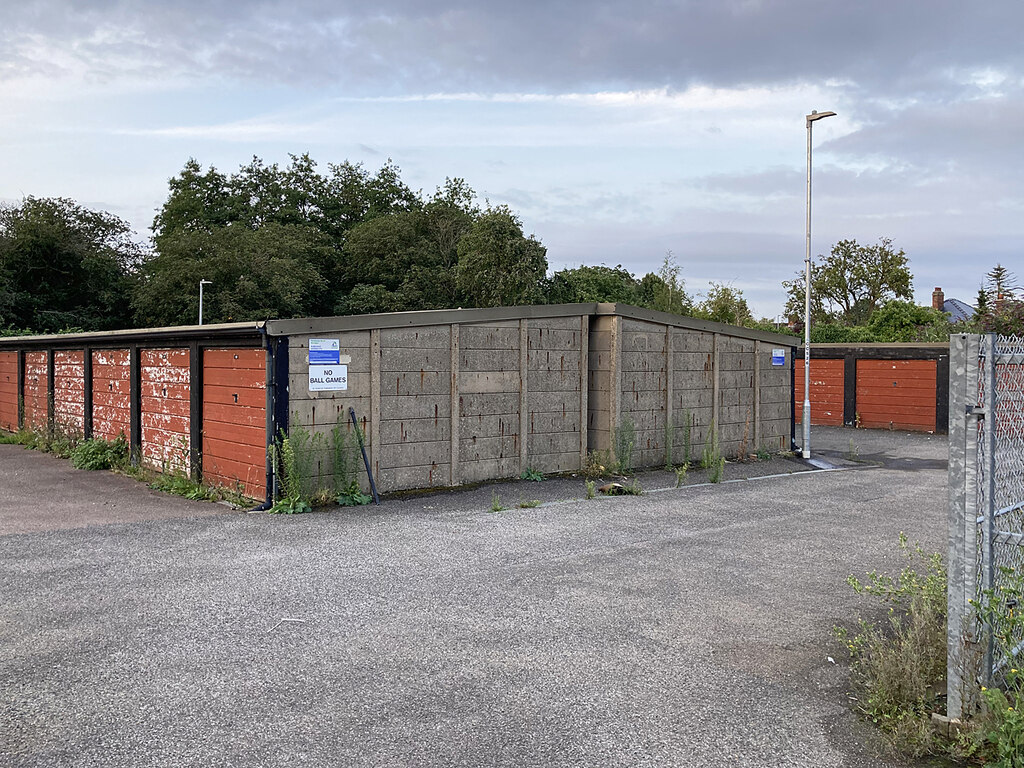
pixel 683 627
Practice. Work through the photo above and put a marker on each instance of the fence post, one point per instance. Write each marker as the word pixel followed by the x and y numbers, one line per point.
pixel 961 629
pixel 988 511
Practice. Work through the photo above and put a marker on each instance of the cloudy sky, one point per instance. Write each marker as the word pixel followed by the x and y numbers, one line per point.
pixel 618 130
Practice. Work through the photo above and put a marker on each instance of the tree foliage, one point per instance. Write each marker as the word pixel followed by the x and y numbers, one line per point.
pixel 852 282
pixel 497 265
pixel 64 266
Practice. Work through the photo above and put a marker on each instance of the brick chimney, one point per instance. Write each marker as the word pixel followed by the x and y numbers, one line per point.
pixel 938 299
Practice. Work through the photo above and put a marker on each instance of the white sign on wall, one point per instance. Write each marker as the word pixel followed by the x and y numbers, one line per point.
pixel 323 378
pixel 779 356
pixel 326 371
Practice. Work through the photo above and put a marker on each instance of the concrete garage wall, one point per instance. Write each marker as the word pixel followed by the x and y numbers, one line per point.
pixel 659 372
pixel 444 403
pixel 461 396
pixel 444 398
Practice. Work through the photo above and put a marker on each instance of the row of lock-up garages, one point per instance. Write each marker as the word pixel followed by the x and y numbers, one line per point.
pixel 877 386
pixel 444 398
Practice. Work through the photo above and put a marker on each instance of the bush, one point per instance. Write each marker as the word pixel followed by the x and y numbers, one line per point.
pixel 898 666
pixel 95 454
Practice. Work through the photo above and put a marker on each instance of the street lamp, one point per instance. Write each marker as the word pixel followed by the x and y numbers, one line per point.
pixel 201 284
pixel 815 115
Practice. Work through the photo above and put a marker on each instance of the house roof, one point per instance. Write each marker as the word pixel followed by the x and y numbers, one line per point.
pixel 958 310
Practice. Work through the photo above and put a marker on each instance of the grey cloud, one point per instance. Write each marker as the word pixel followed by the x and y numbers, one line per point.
pixel 401 46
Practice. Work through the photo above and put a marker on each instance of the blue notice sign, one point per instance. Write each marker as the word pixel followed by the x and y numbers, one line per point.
pixel 779 356
pixel 324 351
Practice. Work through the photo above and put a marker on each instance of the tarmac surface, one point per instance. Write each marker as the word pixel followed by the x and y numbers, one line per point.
pixel 683 627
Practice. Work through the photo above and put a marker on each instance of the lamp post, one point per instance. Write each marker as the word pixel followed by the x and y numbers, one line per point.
pixel 815 115
pixel 201 284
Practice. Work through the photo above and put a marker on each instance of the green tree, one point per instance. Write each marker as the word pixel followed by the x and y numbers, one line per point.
pixel 665 290
pixel 905 321
pixel 256 273
pixel 63 265
pixel 852 282
pixel 725 304
pixel 499 266
pixel 593 284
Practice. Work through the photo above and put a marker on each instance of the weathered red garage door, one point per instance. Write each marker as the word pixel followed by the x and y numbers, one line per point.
pixel 165 408
pixel 69 392
pixel 111 385
pixel 9 391
pixel 235 419
pixel 896 394
pixel 35 394
pixel 826 391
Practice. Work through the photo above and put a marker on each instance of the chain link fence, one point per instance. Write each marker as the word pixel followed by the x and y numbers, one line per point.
pixel 986 509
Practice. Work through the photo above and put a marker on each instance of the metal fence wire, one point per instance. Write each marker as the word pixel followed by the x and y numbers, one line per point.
pixel 986 513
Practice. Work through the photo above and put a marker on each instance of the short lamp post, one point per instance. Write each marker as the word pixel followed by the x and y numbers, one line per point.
pixel 815 115
pixel 201 284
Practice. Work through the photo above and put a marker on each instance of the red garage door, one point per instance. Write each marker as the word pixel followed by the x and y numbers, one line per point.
pixel 165 409
pixel 235 419
pixel 69 392
pixel 826 392
pixel 896 394
pixel 9 391
pixel 111 382
pixel 35 395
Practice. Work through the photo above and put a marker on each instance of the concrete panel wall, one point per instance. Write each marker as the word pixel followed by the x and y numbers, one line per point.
pixel 69 392
pixel 9 391
pixel 555 401
pixel 449 404
pixel 672 384
pixel 774 422
pixel 322 412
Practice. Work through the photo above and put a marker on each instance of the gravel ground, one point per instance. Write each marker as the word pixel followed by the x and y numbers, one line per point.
pixel 684 627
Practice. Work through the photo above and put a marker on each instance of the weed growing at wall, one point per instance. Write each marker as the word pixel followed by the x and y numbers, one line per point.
pixel 625 440
pixel 597 465
pixel 670 436
pixel 681 475
pixel 344 456
pixel 353 496
pixel 687 437
pixel 293 460
pixel 591 487
pixel 496 505
pixel 532 474
pixel 98 454
pixel 712 459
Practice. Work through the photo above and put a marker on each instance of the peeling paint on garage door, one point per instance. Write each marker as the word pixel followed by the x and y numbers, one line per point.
pixel 69 392
pixel 111 385
pixel 165 408
pixel 235 419
pixel 35 394
pixel 826 392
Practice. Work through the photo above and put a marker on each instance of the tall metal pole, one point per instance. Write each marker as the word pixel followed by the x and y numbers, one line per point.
pixel 201 284
pixel 815 115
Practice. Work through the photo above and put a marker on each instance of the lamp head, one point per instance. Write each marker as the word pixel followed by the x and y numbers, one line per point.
pixel 816 115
